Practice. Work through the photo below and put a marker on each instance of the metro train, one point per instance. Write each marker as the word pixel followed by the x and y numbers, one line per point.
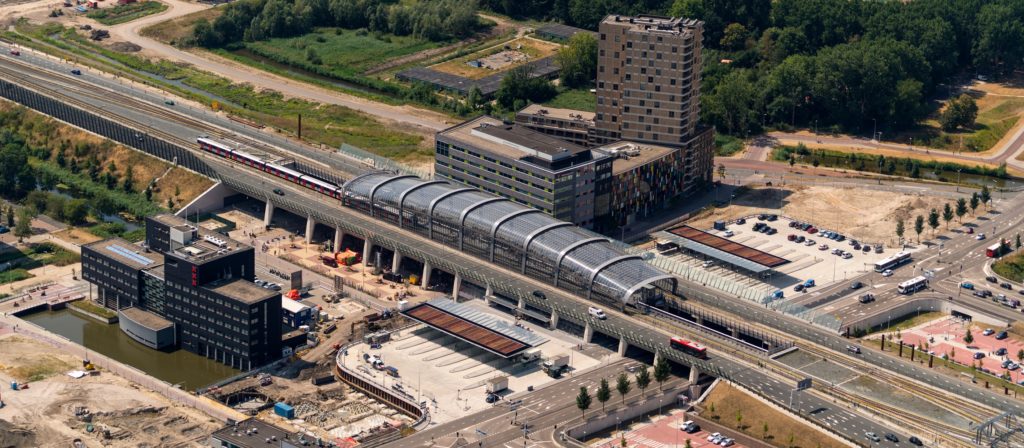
pixel 305 180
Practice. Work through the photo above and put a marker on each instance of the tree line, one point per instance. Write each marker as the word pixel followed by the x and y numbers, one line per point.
pixel 949 211
pixel 253 20
pixel 855 66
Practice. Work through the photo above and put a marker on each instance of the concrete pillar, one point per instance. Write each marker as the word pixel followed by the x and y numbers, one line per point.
pixel 700 321
pixel 425 279
pixel 396 261
pixel 554 320
pixel 338 236
pixel 522 304
pixel 588 333
pixel 367 247
pixel 694 375
pixel 488 293
pixel 736 333
pixel 310 225
pixel 657 357
pixel 268 214
pixel 623 345
pixel 456 286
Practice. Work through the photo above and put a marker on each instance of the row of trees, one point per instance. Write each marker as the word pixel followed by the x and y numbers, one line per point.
pixel 948 212
pixel 623 385
pixel 253 20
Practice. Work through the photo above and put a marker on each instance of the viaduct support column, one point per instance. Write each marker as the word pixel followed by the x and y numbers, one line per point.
pixel 623 345
pixel 522 304
pixel 268 214
pixel 694 374
pixel 456 286
pixel 396 261
pixel 310 225
pixel 554 320
pixel 588 333
pixel 657 357
pixel 338 236
pixel 367 248
pixel 427 269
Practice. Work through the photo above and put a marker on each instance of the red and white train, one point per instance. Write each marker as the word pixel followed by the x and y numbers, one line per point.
pixel 305 180
pixel 689 347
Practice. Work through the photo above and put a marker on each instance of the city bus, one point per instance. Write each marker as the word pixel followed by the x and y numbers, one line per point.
pixel 690 348
pixel 892 262
pixel 997 249
pixel 913 285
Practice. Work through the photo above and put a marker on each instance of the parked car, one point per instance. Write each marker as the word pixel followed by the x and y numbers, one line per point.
pixel 988 332
pixel 1002 335
pixel 729 234
pixel 887 273
pixel 879 249
pixel 823 247
pixel 810 243
pixel 978 355
pixel 991 279
pixel 597 313
pixel 727 442
pixel 970 230
pixel 713 435
pixel 808 283
pixel 847 255
pixel 800 238
pixel 741 221
pixel 967 285
pixel 1001 351
pixel 980 236
pixel 866 248
pixel 772 231
pixel 799 287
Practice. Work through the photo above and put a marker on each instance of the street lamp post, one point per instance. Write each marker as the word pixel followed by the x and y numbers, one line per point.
pixel 874 132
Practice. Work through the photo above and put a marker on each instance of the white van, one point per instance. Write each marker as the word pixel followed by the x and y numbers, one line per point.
pixel 597 313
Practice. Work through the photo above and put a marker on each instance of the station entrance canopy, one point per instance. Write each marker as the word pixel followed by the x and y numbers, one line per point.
pixel 508 234
pixel 480 329
pixel 719 248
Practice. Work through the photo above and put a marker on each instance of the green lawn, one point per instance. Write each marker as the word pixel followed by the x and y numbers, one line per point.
pixel 930 169
pixel 578 99
pixel 727 145
pixel 339 51
pixel 1011 267
pixel 997 117
pixel 93 308
pixel 126 13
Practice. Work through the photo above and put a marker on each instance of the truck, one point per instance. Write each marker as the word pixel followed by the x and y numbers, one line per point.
pixel 529 356
pixel 497 384
pixel 556 365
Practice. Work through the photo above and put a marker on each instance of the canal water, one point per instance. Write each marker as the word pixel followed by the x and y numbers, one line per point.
pixel 189 370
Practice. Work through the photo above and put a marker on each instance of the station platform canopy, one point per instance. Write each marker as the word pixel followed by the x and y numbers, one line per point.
pixel 475 327
pixel 722 249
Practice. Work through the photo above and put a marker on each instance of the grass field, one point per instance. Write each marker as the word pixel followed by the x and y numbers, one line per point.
pixel 997 114
pixel 126 13
pixel 339 51
pixel 1011 267
pixel 180 29
pixel 534 48
pixel 578 99
pixel 93 308
pixel 929 169
pixel 783 430
pixel 39 254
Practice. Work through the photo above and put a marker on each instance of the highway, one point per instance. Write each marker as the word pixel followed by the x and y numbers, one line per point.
pixel 853 422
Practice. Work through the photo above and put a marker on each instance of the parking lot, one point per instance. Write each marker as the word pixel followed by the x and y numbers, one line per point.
pixel 946 337
pixel 662 431
pixel 450 375
pixel 812 255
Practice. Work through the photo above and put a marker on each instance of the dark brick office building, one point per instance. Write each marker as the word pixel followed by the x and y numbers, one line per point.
pixel 199 282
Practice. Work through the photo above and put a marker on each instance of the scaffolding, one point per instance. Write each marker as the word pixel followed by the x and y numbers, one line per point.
pixel 509 234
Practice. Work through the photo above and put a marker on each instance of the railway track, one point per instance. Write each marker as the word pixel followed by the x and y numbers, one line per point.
pixel 85 89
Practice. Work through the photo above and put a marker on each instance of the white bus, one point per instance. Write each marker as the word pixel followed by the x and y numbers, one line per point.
pixel 913 285
pixel 892 262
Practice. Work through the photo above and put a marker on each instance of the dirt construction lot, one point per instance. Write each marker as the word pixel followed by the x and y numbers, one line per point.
pixel 783 430
pixel 121 413
pixel 866 215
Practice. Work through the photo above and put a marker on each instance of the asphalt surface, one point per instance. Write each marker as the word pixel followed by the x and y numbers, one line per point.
pixel 851 423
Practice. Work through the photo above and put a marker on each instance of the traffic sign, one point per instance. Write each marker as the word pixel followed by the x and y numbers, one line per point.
pixel 803 384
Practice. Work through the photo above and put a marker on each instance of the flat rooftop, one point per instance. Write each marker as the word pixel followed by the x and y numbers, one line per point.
pixel 254 433
pixel 730 251
pixel 206 245
pixel 648 23
pixel 146 318
pixel 470 325
pixel 584 117
pixel 128 253
pixel 630 155
pixel 242 290
pixel 511 141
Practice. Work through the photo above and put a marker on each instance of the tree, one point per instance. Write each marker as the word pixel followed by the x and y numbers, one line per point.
pixel 61 158
pixel 129 179
pixel 999 44
pixel 985 196
pixel 604 393
pixel 900 229
pixel 1020 355
pixel 643 379
pixel 170 203
pixel 959 113
pixel 622 385
pixel 578 61
pixel 1016 244
pixel 947 214
pixel 583 400
pixel 23 228
pixel 919 227
pixel 721 171
pixel 662 371
pixel 764 431
pixel 968 337
pixel 933 220
pixel 792 160
pixel 687 444
pixel 735 37
pixel 75 211
pixel 475 97
pixel 739 419
pixel 975 202
pixel 518 86
pixel 10 216
pixel 961 209
pixel 731 105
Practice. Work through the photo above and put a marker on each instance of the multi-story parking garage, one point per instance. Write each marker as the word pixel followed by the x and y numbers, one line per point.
pixel 509 234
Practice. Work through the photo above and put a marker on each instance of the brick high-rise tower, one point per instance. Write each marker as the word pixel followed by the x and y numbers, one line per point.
pixel 648 80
